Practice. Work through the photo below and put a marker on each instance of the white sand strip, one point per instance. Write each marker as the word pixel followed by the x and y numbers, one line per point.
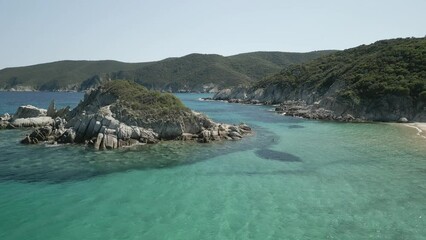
pixel 421 128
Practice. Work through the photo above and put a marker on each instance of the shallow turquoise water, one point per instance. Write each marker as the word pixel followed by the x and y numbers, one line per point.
pixel 354 181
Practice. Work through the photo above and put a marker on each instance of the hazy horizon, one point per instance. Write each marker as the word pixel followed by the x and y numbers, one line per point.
pixel 141 31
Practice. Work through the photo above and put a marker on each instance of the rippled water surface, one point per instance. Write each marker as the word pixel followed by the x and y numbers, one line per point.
pixel 294 179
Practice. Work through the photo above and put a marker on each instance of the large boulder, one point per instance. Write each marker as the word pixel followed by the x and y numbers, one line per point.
pixel 39 135
pixel 31 122
pixel 27 116
pixel 29 111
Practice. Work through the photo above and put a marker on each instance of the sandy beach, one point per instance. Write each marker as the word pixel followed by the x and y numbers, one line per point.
pixel 419 126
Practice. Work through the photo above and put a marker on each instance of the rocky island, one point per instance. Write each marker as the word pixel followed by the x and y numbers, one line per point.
pixel 119 114
pixel 384 81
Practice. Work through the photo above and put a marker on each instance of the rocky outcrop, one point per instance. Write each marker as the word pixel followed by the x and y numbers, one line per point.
pixel 54 113
pixel 303 102
pixel 383 81
pixel 103 131
pixel 29 116
pixel 104 120
pixel 25 117
pixel 21 88
pixel 5 117
pixel 301 109
pixel 29 111
pixel 31 122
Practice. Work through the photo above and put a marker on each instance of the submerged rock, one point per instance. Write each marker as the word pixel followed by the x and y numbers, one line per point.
pixel 277 155
pixel 295 126
pixel 120 114
pixel 39 135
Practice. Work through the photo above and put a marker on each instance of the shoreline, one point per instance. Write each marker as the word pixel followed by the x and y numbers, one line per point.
pixel 419 126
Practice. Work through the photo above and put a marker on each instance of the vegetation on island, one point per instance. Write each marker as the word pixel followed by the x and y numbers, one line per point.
pixel 388 67
pixel 190 72
pixel 138 99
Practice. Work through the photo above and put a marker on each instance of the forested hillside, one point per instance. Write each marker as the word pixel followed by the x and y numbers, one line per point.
pixel 383 81
pixel 194 72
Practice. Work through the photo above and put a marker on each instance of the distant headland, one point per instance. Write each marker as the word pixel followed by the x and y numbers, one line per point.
pixel 191 73
pixel 384 81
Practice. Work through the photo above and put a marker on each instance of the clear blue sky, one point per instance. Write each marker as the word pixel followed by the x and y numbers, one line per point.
pixel 38 31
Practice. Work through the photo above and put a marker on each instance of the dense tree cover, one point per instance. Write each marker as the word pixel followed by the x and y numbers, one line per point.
pixel 396 67
pixel 188 72
pixel 138 99
pixel 194 70
pixel 59 75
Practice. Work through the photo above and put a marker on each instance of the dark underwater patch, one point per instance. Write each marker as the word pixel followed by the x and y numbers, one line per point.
pixel 295 126
pixel 277 155
pixel 66 163
pixel 258 173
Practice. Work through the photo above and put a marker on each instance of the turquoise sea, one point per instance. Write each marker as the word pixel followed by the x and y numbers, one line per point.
pixel 293 179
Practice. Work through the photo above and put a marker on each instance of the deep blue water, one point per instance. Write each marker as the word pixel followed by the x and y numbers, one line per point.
pixel 10 101
pixel 294 179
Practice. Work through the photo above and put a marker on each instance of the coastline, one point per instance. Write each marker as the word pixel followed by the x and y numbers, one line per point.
pixel 34 90
pixel 419 126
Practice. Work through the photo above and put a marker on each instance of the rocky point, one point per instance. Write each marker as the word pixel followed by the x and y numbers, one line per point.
pixel 121 114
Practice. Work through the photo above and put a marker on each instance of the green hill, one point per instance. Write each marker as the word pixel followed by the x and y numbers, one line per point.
pixel 388 67
pixel 257 65
pixel 383 81
pixel 190 72
pixel 62 75
pixel 198 71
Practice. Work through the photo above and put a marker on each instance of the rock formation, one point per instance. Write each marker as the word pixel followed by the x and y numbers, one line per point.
pixel 285 103
pixel 29 111
pixel 119 114
pixel 29 116
pixel 383 81
pixel 307 104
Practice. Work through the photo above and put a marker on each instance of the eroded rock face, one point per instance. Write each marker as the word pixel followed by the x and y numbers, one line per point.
pixel 104 132
pixel 301 109
pixel 53 112
pixel 303 102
